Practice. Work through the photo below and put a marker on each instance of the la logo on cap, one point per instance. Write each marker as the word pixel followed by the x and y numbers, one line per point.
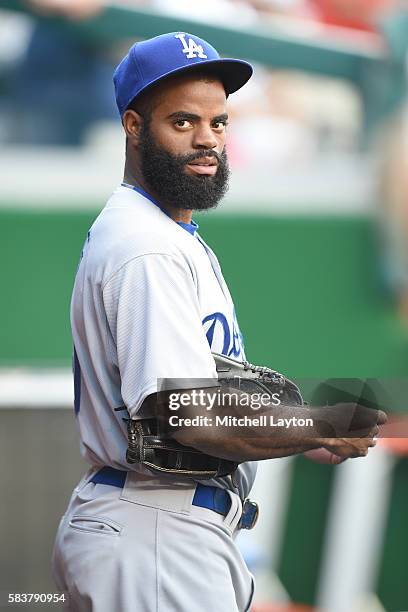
pixel 190 48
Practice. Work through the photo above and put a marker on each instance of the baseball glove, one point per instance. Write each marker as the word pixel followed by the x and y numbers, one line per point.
pixel 250 378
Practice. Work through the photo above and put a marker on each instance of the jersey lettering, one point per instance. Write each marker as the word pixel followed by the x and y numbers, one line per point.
pixel 190 48
pixel 235 349
pixel 217 323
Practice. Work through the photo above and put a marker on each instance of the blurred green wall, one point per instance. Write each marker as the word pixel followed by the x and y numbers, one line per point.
pixel 307 291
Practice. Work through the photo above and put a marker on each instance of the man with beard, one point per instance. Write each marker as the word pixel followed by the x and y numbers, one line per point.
pixel 149 302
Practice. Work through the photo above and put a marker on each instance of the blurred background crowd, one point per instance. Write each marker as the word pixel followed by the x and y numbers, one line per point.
pixel 56 87
pixel 318 145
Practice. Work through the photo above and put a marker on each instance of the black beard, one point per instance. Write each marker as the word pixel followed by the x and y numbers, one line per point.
pixel 165 174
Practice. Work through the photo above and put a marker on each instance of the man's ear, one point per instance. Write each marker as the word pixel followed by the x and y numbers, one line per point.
pixel 132 124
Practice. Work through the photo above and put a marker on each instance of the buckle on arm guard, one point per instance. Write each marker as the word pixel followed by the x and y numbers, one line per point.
pixel 164 455
pixel 250 514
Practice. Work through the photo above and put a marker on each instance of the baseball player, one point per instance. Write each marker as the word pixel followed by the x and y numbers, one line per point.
pixel 143 532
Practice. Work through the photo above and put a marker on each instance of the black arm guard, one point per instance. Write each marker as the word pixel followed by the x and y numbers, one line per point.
pixel 165 455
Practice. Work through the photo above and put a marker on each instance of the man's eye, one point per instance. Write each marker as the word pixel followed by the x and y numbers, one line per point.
pixel 183 123
pixel 220 125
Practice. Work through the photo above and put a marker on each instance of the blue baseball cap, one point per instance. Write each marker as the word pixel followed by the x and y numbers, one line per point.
pixel 150 61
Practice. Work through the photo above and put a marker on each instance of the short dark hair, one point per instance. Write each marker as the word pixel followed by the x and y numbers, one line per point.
pixel 143 106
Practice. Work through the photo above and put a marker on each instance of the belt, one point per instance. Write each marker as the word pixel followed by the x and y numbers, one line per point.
pixel 213 498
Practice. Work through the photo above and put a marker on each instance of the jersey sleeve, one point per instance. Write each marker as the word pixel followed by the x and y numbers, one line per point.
pixel 154 317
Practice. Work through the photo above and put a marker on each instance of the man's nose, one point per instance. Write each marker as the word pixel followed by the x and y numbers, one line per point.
pixel 204 138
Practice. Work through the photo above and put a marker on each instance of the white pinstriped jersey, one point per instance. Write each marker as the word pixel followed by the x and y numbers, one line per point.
pixel 149 302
